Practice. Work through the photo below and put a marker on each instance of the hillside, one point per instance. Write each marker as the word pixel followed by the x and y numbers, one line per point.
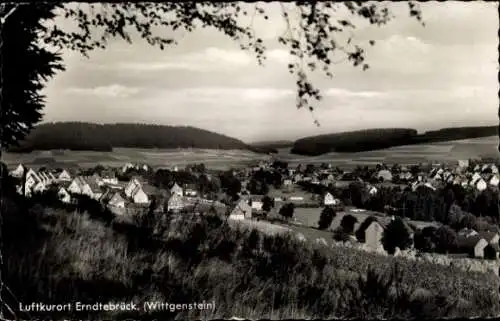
pixel 89 136
pixel 374 139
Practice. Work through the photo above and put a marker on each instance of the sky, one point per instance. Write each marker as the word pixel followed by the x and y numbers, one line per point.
pixel 442 75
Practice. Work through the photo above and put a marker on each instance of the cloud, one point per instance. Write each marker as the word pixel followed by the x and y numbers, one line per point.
pixel 111 91
pixel 210 59
pixel 340 92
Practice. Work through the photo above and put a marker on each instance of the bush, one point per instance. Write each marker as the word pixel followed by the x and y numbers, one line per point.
pixel 348 222
pixel 287 210
pixel 395 235
pixel 326 218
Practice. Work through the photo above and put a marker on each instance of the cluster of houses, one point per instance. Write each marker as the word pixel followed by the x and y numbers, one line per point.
pixel 104 188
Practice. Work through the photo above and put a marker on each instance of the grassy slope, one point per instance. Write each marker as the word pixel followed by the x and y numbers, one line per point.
pixel 374 139
pixel 197 258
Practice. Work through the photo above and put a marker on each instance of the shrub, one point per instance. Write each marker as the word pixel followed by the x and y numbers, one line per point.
pixel 326 218
pixel 396 234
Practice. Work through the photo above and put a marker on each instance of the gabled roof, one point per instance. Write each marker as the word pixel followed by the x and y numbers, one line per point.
pixel 469 242
pixel 488 236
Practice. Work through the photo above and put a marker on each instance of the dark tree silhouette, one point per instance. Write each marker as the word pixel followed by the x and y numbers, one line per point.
pixel 315 47
pixel 26 66
pixel 287 210
pixel 395 235
pixel 446 240
pixel 347 224
pixel 267 203
pixel 326 218
pixel 424 239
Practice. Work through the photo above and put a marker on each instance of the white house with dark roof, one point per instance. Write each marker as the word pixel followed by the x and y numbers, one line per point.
pixel 241 211
pixel 19 171
pixel 176 189
pixel 139 196
pixel 494 180
pixel 175 203
pixel 481 185
pixel 132 186
pixel 117 200
pixel 64 195
pixel 64 176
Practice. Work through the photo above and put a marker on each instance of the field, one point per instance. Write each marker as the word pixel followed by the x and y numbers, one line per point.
pixel 223 159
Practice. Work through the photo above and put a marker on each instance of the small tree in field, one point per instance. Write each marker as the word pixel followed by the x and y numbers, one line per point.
pixel 396 235
pixel 326 218
pixel 267 204
pixel 347 224
pixel 287 210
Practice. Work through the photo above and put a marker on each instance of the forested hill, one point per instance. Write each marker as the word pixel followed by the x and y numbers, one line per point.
pixel 89 136
pixel 373 139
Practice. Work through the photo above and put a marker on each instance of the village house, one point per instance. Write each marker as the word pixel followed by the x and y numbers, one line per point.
pixel 64 176
pixel 475 177
pixel 375 231
pixel 18 172
pixel 373 236
pixel 32 180
pixel 177 190
pixel 256 205
pixel 467 232
pixel 109 177
pixel 241 211
pixel 330 200
pixel 494 180
pixel 372 190
pixel 481 185
pixel 127 167
pixel 39 188
pixel 384 175
pixel 117 200
pixel 80 186
pixel 473 245
pixel 138 196
pixel 190 190
pixel 463 164
pixel 132 186
pixel 288 185
pixel 64 195
pixel 175 203
pixel 95 188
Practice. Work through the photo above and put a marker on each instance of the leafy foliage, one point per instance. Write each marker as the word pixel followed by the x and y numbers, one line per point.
pixel 396 234
pixel 25 68
pixel 267 203
pixel 287 210
pixel 310 38
pixel 326 218
pixel 348 222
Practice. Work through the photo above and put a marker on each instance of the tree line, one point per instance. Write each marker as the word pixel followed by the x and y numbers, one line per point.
pixel 373 139
pixel 89 136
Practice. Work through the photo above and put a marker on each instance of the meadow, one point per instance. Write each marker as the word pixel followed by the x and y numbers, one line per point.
pixel 224 159
pixel 54 255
